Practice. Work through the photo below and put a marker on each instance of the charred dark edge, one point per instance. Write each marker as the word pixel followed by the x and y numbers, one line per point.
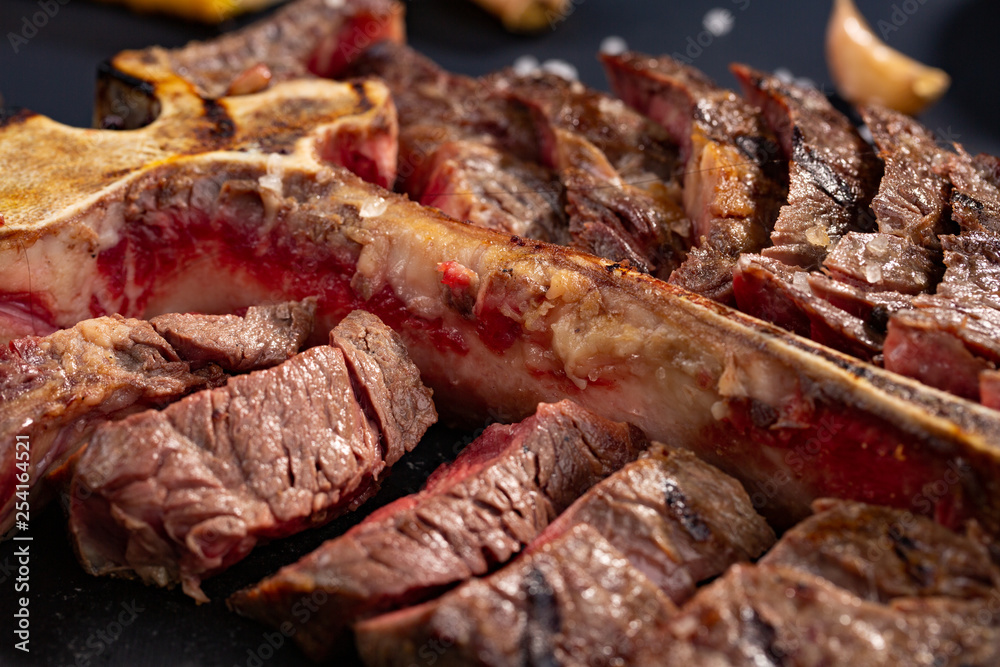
pixel 223 126
pixel 10 116
pixel 109 78
pixel 543 623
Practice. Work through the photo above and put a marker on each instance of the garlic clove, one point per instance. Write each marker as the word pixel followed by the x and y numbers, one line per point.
pixel 866 70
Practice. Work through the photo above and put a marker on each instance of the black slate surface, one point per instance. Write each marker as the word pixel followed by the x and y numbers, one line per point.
pixel 80 620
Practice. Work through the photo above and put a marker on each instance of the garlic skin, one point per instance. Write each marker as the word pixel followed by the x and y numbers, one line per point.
pixel 866 70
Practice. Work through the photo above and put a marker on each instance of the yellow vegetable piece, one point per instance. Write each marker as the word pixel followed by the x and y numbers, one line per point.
pixel 206 11
pixel 866 70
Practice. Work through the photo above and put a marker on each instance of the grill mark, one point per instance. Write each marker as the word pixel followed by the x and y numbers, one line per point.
pixel 678 504
pixel 821 173
pixel 760 150
pixel 13 115
pixel 364 103
pixel 223 126
pixel 543 621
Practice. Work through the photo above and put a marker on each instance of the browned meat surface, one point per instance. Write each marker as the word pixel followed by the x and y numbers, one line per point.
pixel 768 289
pixel 263 337
pixel 181 494
pixel 678 520
pixel 913 200
pixel 873 308
pixel 833 174
pixel 882 262
pixel 57 389
pixel 973 261
pixel 733 180
pixel 472 516
pixel 464 148
pixel 571 601
pixel 771 615
pixel 975 201
pixel 880 553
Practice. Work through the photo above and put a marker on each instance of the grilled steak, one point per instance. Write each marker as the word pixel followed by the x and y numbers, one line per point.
pixel 774 615
pixel 732 185
pixel 975 201
pixel 465 149
pixel 832 173
pixel 57 389
pixel 879 553
pixel 263 337
pixel 882 262
pixel 678 520
pixel 672 518
pixel 568 602
pixel 182 494
pixel 473 515
pixel 913 198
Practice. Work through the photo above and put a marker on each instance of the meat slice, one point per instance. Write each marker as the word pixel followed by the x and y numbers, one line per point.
pixel 975 201
pixel 773 615
pixel 973 266
pixel 733 187
pixel 883 262
pixel 832 173
pixel 770 290
pixel 56 389
pixel 616 166
pixel 465 149
pixel 879 553
pixel 569 601
pixel 913 200
pixel 674 519
pixel 181 494
pixel 678 520
pixel 473 515
pixel 265 336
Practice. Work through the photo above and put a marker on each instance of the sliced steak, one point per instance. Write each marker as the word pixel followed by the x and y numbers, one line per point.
pixel 873 308
pixel 733 185
pixel 882 262
pixel 569 602
pixel 975 201
pixel 179 495
pixel 265 336
pixel 678 520
pixel 913 200
pixel 973 261
pixel 946 342
pixel 57 389
pixel 498 495
pixel 832 172
pixel 617 169
pixel 880 553
pixel 770 615
pixel 770 290
pixel 465 149
pixel 675 520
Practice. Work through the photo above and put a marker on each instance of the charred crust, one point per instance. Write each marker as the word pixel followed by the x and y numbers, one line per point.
pixel 543 620
pixel 760 150
pixel 825 178
pixel 363 101
pixel 107 71
pixel 518 241
pixel 223 126
pixel 878 319
pixel 961 200
pixel 680 507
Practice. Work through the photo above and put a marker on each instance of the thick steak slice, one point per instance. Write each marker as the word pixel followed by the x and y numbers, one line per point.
pixel 678 520
pixel 774 615
pixel 879 553
pixel 832 172
pixel 179 495
pixel 56 389
pixel 973 267
pixel 386 382
pixel 265 336
pixel 975 201
pixel 465 149
pixel 473 515
pixel 733 185
pixel 569 602
pixel 913 200
pixel 881 262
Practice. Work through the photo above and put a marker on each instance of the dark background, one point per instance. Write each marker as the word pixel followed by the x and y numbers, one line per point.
pixel 72 614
